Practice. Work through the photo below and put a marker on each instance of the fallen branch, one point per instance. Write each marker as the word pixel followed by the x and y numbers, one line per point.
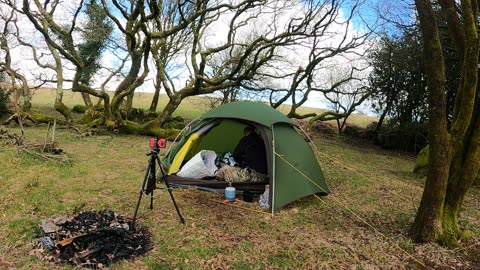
pixel 80 130
pixel 17 117
pixel 12 138
pixel 47 156
pixel 46 150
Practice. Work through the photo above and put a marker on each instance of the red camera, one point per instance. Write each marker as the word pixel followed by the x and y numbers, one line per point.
pixel 158 143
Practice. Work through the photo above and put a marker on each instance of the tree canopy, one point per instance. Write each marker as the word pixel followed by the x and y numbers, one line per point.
pixel 199 48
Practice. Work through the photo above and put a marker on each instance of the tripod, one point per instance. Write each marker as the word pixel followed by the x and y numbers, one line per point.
pixel 150 180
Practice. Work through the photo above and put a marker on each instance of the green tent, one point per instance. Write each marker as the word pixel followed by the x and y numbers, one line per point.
pixel 294 171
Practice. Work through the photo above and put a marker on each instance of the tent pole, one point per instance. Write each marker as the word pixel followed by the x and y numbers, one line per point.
pixel 272 190
pixel 187 126
pixel 311 143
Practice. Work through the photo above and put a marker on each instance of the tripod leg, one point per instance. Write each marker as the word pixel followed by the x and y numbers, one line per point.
pixel 144 185
pixel 153 179
pixel 176 207
pixel 170 191
pixel 136 210
pixel 151 200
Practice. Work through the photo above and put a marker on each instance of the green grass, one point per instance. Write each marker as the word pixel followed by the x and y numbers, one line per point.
pixel 190 108
pixel 44 99
pixel 107 170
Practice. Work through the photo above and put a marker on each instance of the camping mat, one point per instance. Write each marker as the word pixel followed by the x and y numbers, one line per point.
pixel 175 180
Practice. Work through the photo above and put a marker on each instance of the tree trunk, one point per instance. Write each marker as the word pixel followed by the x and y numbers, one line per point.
pixel 156 97
pixel 441 203
pixel 64 110
pixel 452 233
pixel 166 113
pixel 107 109
pixel 339 126
pixel 380 121
pixel 427 225
pixel 59 106
pixel 27 105
pixel 465 130
pixel 127 86
pixel 87 99
pixel 464 171
pixel 128 104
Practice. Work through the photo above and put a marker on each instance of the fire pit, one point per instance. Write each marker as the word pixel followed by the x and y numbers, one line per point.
pixel 91 239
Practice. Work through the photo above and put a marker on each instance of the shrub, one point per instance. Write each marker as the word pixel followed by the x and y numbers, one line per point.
pixel 410 137
pixel 79 108
pixel 176 122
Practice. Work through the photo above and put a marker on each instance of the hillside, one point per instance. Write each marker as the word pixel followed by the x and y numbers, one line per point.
pixel 190 108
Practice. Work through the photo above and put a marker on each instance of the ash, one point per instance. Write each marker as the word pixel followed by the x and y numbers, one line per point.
pixel 91 239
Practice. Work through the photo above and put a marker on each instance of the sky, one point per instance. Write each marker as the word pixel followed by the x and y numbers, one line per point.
pixel 22 56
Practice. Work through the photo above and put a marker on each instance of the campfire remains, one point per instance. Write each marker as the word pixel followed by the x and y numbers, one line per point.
pixel 91 239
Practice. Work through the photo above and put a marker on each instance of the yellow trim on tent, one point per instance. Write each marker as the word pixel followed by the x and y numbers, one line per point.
pixel 190 145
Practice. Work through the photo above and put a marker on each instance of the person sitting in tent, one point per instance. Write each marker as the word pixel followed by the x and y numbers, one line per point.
pixel 251 155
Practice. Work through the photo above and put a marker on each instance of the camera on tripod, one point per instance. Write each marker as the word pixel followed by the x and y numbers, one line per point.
pixel 156 143
pixel 150 179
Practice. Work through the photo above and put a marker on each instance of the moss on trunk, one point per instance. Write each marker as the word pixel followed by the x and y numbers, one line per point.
pixel 90 115
pixel 149 129
pixel 427 226
pixel 64 110
pixel 43 118
pixel 421 163
pixel 451 232
pixel 166 113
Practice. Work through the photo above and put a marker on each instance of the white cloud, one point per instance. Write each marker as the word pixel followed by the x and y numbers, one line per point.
pixel 270 21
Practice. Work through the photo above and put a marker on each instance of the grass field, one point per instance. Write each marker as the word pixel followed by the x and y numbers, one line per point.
pixel 44 99
pixel 362 224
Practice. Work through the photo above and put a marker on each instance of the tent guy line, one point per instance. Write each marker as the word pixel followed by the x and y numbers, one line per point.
pixel 419 261
pixel 350 211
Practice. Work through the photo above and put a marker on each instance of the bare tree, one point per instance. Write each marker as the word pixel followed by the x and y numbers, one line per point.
pixel 201 47
pixel 251 52
pixel 61 36
pixel 323 53
pixel 204 74
pixel 19 84
pixel 56 67
pixel 346 93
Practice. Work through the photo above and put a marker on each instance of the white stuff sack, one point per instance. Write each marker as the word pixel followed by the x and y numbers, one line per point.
pixel 201 165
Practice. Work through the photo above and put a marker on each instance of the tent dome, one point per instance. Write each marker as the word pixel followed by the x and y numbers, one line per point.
pixel 293 169
pixel 250 111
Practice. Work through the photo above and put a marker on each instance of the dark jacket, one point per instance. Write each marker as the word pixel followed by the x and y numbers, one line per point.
pixel 250 152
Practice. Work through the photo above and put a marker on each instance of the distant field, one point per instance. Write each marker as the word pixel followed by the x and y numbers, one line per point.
pixel 190 108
